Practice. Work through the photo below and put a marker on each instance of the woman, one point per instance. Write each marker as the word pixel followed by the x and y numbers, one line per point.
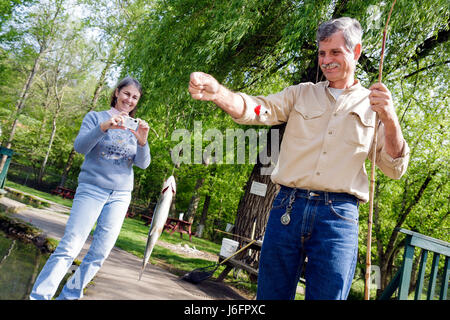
pixel 103 193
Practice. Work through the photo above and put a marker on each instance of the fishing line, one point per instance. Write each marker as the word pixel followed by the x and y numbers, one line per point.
pixel 186 127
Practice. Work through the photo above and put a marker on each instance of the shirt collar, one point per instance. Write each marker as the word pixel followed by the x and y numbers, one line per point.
pixel 113 111
pixel 355 86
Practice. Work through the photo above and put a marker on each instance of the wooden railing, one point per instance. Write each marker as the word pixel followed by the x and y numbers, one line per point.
pixel 402 279
pixel 8 153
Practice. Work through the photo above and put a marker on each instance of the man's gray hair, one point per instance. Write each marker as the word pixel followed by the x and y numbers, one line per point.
pixel 350 27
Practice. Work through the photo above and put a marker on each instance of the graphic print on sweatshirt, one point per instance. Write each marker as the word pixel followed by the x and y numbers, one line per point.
pixel 118 146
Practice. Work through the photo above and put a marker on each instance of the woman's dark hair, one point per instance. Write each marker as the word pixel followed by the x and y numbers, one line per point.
pixel 123 83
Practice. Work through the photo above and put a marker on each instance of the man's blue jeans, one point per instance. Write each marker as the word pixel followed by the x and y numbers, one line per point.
pixel 324 228
pixel 91 204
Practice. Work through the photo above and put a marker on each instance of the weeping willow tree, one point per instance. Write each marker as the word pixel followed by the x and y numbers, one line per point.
pixel 262 46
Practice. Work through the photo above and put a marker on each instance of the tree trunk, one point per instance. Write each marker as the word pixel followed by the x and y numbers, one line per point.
pixel 49 148
pixel 52 136
pixel 68 167
pixel 44 45
pixel 193 204
pixel 202 223
pixel 21 104
pixel 45 106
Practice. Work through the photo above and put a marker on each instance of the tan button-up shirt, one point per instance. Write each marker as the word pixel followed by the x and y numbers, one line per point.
pixel 326 141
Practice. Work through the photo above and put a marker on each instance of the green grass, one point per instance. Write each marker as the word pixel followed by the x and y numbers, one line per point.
pixel 133 238
pixel 357 290
pixel 41 194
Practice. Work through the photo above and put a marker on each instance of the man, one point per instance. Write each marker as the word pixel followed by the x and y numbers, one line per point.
pixel 328 137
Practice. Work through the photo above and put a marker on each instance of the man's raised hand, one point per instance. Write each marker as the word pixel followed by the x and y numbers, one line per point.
pixel 203 86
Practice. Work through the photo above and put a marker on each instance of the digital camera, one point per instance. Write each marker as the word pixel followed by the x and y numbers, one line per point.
pixel 130 123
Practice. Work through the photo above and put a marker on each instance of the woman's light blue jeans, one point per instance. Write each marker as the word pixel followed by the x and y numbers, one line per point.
pixel 323 228
pixel 91 204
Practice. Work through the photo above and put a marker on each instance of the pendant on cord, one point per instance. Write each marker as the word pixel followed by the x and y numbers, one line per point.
pixel 285 218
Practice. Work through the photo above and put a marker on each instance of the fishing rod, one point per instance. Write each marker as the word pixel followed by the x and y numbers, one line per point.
pixel 232 234
pixel 372 172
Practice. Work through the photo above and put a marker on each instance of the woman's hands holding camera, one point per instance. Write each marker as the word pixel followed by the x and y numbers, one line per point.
pixel 117 122
pixel 142 132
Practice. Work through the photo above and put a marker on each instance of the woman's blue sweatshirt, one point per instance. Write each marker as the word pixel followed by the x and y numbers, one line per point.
pixel 110 155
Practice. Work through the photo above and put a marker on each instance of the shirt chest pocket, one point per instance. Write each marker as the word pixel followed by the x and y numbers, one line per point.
pixel 358 128
pixel 306 121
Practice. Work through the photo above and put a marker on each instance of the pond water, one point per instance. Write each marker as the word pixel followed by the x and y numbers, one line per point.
pixel 20 264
